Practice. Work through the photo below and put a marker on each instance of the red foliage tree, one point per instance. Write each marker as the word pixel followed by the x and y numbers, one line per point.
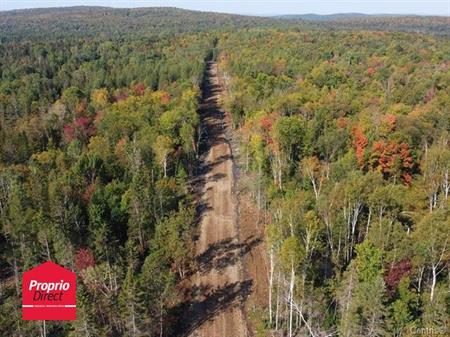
pixel 139 89
pixel 84 259
pixel 390 121
pixel 68 132
pixel 120 96
pixel 371 71
pixel 342 122
pixel 395 273
pixel 88 193
pixel 81 128
pixel 267 124
pixel 392 159
pixel 165 97
pixel 359 142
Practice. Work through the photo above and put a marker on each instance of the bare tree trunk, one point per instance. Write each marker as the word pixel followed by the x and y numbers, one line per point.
pixel 368 221
pixel 446 184
pixel 161 322
pixel 280 173
pixel 313 181
pixel 134 324
pixel 16 276
pixel 291 297
pixel 165 166
pixel 346 307
pixel 436 272
pixel 355 215
pixel 433 282
pixel 86 329
pixel 270 284
pixel 197 144
pixel 277 310
pixel 47 247
pixel 420 279
pixel 18 321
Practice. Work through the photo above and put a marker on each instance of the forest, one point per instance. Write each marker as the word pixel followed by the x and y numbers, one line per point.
pixel 346 136
pixel 97 141
pixel 87 21
pixel 344 149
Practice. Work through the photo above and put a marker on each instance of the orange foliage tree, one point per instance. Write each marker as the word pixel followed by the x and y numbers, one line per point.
pixel 360 143
pixel 392 160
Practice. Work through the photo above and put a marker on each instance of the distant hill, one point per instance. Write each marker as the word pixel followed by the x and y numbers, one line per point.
pixel 85 21
pixel 318 17
pixel 116 22
pixel 438 25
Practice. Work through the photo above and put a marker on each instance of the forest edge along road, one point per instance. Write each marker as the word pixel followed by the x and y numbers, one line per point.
pixel 217 291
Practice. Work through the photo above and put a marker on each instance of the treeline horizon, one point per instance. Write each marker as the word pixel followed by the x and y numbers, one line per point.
pixel 90 21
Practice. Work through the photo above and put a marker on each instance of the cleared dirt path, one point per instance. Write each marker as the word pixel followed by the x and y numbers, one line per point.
pixel 217 290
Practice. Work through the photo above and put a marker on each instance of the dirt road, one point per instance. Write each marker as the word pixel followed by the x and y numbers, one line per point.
pixel 218 290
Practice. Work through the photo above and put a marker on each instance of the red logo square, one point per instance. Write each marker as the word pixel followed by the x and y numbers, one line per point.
pixel 49 293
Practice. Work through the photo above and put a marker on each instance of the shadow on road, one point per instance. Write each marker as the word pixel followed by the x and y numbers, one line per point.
pixel 224 253
pixel 194 312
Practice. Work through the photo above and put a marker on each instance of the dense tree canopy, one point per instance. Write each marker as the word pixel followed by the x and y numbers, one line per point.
pixel 98 139
pixel 345 136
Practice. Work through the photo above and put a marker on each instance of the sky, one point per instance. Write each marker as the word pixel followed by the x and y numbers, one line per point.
pixel 261 7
